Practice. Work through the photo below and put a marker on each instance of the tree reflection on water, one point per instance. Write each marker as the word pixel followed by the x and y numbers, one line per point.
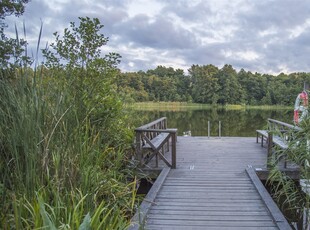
pixel 238 123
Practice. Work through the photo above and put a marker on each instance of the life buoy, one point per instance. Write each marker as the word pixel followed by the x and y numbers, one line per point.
pixel 301 107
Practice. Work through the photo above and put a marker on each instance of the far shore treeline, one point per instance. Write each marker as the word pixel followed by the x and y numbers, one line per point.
pixel 204 84
pixel 209 84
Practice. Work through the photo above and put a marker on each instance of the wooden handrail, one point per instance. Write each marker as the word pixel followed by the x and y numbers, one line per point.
pixel 148 125
pixel 284 124
pixel 157 130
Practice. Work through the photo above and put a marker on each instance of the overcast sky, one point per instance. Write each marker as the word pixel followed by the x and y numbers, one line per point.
pixel 266 36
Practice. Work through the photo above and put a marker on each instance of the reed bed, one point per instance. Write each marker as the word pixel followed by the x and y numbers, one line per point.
pixel 292 198
pixel 64 162
pixel 182 106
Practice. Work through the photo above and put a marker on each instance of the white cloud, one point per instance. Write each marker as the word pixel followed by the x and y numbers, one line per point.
pixel 56 5
pixel 150 7
pixel 246 55
pixel 299 29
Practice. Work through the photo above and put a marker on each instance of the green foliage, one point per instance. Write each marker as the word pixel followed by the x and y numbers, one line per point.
pixel 208 84
pixel 286 191
pixel 79 49
pixel 9 7
pixel 205 84
pixel 65 140
pixel 11 49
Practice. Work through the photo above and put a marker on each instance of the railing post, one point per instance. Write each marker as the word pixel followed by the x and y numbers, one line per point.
pixel 208 129
pixel 220 131
pixel 138 147
pixel 270 145
pixel 174 151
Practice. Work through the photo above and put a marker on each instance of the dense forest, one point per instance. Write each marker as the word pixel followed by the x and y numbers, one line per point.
pixel 209 84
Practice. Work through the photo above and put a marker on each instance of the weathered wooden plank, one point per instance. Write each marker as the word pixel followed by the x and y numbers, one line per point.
pixel 280 142
pixel 206 202
pixel 208 183
pixel 146 204
pixel 212 208
pixel 157 141
pixel 201 177
pixel 207 195
pixel 165 227
pixel 272 207
pixel 293 173
pixel 206 188
pixel 210 223
pixel 177 203
pixel 223 218
pixel 217 213
pixel 217 189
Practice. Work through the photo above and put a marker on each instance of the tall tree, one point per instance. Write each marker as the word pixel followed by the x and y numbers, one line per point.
pixel 230 91
pixel 205 84
pixel 75 62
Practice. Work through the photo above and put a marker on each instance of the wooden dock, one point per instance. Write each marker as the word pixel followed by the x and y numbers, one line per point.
pixel 211 189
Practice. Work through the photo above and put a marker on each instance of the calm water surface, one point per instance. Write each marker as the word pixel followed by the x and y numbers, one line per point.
pixel 242 123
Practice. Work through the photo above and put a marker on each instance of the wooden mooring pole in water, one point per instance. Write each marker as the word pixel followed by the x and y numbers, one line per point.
pixel 209 129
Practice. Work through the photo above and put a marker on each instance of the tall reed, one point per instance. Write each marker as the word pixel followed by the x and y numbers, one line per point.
pixel 61 167
pixel 285 190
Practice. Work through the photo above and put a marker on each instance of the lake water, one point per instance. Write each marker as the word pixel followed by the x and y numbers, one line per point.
pixel 240 122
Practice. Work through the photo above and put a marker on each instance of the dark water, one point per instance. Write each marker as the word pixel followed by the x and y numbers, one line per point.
pixel 242 123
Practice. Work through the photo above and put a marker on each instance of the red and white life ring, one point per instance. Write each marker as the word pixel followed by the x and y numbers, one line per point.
pixel 301 107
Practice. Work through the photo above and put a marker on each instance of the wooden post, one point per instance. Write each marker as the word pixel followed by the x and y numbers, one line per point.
pixel 158 157
pixel 270 145
pixel 138 147
pixel 285 162
pixel 208 129
pixel 174 151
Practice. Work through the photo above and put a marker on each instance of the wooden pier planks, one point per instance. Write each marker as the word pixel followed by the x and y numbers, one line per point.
pixel 210 188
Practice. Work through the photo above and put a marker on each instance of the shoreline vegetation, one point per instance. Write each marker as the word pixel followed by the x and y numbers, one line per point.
pixel 65 138
pixel 175 106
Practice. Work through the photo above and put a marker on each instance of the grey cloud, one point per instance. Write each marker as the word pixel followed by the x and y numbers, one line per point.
pixel 188 11
pixel 182 30
pixel 281 14
pixel 160 33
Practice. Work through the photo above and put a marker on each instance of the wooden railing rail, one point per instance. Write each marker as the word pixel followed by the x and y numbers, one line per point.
pixel 160 123
pixel 152 139
pixel 280 125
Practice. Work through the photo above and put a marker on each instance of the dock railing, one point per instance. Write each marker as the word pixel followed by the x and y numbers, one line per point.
pixel 281 127
pixel 152 140
pixel 280 134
